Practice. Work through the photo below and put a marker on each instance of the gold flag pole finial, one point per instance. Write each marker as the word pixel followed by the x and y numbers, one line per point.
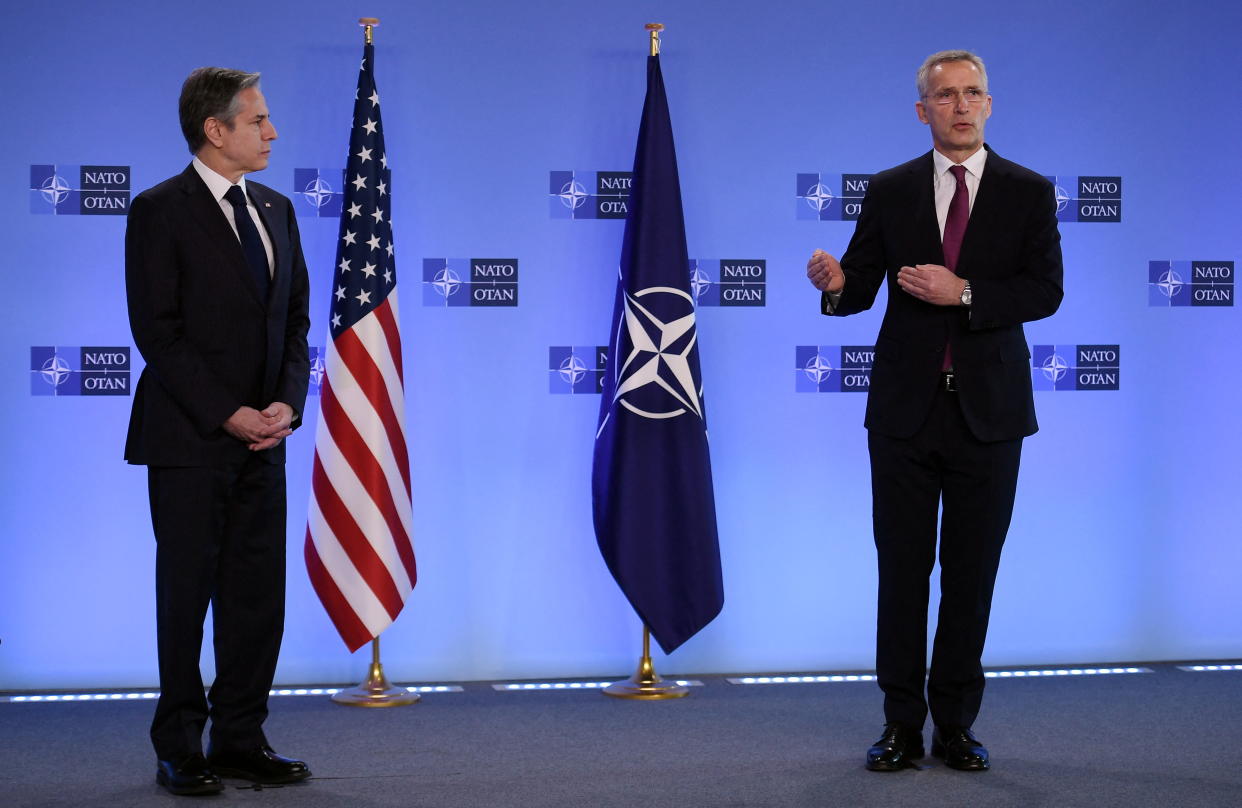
pixel 655 28
pixel 367 24
pixel 376 691
pixel 646 684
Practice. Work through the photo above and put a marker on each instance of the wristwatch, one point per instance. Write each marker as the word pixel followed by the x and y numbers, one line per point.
pixel 966 294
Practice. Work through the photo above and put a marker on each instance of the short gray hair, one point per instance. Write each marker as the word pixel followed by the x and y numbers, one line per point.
pixel 924 75
pixel 211 92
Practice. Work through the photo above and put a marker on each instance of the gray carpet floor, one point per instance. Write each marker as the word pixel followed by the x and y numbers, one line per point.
pixel 1167 738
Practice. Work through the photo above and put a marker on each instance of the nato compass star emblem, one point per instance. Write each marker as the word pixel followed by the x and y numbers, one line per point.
pixel 699 283
pixel 1054 368
pixel 55 371
pixel 572 370
pixel 573 195
pixel 818 368
pixel 317 371
pixel 446 282
pixel 318 192
pixel 1062 197
pixel 54 190
pixel 1170 283
pixel 656 379
pixel 818 197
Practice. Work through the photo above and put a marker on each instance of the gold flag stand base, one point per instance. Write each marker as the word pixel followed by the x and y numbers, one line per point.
pixel 646 684
pixel 376 691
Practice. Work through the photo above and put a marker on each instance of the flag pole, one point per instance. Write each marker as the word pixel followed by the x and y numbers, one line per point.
pixel 646 684
pixel 655 28
pixel 367 24
pixel 375 690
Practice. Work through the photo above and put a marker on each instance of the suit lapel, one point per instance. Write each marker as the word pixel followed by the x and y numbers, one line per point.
pixel 985 213
pixel 206 211
pixel 267 212
pixel 926 226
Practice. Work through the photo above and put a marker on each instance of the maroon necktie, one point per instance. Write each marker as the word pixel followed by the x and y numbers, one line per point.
pixel 954 229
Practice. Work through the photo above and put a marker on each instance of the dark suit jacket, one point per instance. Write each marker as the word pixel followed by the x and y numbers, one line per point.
pixel 210 344
pixel 1011 254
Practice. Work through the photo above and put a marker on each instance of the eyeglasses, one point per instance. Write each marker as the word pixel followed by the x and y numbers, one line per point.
pixel 973 95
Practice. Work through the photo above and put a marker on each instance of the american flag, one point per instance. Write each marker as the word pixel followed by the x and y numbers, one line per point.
pixel 358 549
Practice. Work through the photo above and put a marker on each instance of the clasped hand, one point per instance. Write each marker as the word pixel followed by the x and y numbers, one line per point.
pixel 261 429
pixel 932 283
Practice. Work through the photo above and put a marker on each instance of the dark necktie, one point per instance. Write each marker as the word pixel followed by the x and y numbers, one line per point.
pixel 252 245
pixel 954 229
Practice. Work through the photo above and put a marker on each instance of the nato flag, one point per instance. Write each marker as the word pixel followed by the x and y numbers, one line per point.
pixel 655 514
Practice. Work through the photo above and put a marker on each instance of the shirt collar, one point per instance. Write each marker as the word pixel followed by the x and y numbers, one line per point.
pixel 974 163
pixel 217 184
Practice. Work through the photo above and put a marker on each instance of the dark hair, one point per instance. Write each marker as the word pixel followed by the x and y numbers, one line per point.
pixel 210 92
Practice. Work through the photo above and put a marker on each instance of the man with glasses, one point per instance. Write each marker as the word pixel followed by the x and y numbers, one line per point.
pixel 968 243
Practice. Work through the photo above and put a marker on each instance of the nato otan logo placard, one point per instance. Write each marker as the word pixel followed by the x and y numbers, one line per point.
pixel 1076 367
pixel 470 282
pixel 1189 283
pixel 319 192
pixel 833 368
pixel 79 371
pixel 831 197
pixel 729 282
pixel 589 194
pixel 576 369
pixel 79 190
pixel 1087 199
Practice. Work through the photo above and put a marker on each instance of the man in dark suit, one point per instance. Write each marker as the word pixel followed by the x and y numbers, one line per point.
pixel 969 245
pixel 217 293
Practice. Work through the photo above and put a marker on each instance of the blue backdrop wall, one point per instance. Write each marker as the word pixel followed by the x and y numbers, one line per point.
pixel 1125 540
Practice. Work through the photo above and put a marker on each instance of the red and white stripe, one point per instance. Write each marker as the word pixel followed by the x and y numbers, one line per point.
pixel 358 548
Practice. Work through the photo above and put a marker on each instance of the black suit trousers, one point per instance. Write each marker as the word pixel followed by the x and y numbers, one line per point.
pixel 220 540
pixel 942 468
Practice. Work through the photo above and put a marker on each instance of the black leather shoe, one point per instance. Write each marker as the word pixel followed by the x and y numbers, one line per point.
pixel 258 765
pixel 960 750
pixel 897 749
pixel 188 777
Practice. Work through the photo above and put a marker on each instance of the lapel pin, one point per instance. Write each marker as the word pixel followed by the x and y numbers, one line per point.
pixel 267 204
